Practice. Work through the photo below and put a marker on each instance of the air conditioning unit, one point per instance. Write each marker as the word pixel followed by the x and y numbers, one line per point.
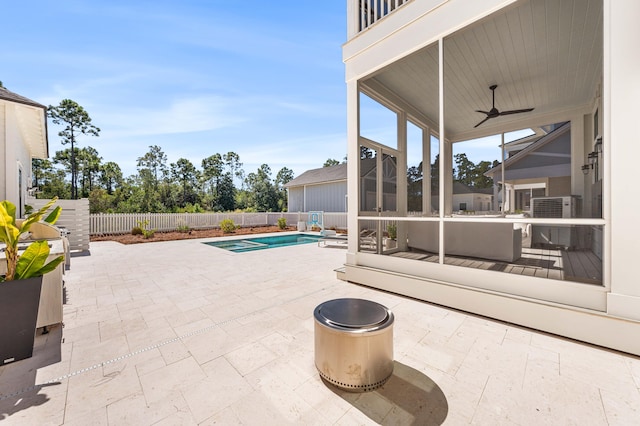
pixel 556 207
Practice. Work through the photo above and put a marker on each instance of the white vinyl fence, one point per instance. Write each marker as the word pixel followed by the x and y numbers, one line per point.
pixel 74 218
pixel 122 223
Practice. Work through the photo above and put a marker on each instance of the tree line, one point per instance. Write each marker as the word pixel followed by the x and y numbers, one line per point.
pixel 466 172
pixel 158 186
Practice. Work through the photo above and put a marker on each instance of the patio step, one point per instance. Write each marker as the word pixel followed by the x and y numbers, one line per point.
pixel 341 273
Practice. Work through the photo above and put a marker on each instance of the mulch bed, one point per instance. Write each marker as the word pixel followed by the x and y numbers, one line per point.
pixel 194 233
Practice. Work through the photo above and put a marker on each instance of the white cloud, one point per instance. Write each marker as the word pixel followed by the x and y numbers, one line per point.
pixel 181 116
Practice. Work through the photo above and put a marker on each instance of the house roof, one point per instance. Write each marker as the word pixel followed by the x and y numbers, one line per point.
pixel 8 95
pixel 321 175
pixel 549 137
pixel 31 119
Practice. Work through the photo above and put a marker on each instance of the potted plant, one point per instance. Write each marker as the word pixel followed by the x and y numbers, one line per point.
pixel 21 280
pixel 392 232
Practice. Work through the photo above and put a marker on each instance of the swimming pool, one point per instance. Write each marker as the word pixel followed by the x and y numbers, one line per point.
pixel 262 243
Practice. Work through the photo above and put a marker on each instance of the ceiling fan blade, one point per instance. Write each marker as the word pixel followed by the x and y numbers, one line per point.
pixel 484 112
pixel 481 122
pixel 516 111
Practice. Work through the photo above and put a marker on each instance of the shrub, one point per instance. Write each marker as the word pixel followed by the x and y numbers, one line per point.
pixel 392 230
pixel 141 229
pixel 282 223
pixel 228 226
pixel 183 228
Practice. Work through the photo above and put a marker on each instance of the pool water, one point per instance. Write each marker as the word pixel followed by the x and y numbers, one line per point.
pixel 262 243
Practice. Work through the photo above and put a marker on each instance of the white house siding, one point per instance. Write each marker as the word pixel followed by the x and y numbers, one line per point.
pixel 3 144
pixel 16 155
pixel 328 197
pixel 296 199
pixel 621 122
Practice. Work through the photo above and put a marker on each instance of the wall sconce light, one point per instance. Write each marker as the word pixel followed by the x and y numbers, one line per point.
pixel 598 145
pixel 592 157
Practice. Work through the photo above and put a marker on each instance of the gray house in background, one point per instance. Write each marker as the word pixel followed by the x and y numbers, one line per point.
pixel 537 168
pixel 323 189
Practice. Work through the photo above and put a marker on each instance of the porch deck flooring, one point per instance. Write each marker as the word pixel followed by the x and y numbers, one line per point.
pixel 578 266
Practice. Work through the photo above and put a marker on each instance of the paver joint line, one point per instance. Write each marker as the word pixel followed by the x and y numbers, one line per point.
pixel 148 348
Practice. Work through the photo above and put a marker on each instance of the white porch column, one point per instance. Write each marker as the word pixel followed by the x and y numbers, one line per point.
pixel 353 161
pixel 579 149
pixel 621 152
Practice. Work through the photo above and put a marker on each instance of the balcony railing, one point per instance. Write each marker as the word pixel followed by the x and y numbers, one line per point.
pixel 371 11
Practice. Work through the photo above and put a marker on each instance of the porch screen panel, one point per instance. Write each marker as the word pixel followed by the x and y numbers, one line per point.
pixel 378 123
pixel 389 183
pixel 415 174
pixel 368 179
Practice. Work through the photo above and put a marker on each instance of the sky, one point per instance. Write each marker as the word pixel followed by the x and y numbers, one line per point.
pixel 195 77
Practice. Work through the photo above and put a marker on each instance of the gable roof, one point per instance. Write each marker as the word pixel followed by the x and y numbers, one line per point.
pixel 321 175
pixel 8 95
pixel 31 119
pixel 536 145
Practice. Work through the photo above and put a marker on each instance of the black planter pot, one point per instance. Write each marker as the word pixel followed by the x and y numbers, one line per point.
pixel 19 301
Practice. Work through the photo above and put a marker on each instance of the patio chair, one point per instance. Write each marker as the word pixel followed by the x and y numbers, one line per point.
pixel 368 239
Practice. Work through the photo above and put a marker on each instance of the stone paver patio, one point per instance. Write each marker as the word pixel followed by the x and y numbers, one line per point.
pixel 182 333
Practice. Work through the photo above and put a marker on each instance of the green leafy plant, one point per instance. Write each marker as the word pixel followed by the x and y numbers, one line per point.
pixel 142 229
pixel 183 228
pixel 228 226
pixel 282 223
pixel 392 230
pixel 32 262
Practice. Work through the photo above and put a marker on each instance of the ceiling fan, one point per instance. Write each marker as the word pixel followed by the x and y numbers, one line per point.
pixel 493 113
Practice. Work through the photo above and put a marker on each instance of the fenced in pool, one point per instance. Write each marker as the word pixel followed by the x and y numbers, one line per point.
pixel 262 243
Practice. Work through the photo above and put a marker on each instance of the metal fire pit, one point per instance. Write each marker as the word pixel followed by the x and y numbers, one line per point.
pixel 354 343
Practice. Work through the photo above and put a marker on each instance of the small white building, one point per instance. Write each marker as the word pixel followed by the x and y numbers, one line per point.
pixel 467 199
pixel 323 189
pixel 23 136
pixel 459 71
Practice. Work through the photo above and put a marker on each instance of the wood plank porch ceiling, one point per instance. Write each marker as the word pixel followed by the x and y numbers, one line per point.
pixel 545 54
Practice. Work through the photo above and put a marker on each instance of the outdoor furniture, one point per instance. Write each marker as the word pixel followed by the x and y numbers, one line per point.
pixel 368 239
pixel 495 241
pixel 333 240
pixel 354 343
